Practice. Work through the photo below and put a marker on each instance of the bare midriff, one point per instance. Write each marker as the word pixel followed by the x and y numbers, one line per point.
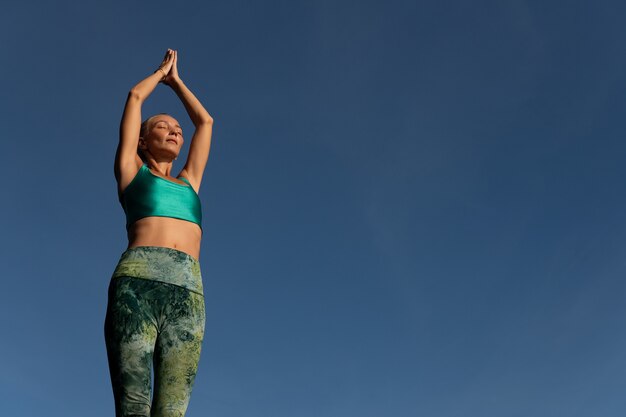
pixel 166 232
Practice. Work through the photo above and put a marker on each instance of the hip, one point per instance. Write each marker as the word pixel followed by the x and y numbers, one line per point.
pixel 162 264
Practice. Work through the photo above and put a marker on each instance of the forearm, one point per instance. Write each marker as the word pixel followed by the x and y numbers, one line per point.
pixel 131 118
pixel 145 87
pixel 195 109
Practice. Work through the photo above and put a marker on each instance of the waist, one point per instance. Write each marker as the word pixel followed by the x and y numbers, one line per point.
pixel 161 264
pixel 166 232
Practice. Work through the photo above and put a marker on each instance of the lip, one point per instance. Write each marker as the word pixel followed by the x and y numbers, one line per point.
pixel 172 140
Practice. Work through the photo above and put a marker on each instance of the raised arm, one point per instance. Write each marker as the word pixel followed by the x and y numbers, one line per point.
pixel 127 161
pixel 203 122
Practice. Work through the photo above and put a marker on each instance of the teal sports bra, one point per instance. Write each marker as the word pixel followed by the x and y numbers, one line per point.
pixel 149 195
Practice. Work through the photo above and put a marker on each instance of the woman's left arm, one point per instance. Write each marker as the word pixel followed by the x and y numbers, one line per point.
pixel 203 122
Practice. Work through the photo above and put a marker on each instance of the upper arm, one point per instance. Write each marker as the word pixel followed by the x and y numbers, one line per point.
pixel 127 162
pixel 198 154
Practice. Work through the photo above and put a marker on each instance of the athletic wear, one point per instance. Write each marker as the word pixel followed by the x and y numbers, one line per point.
pixel 150 195
pixel 166 265
pixel 156 317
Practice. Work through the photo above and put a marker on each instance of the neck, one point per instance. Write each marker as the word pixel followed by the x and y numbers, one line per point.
pixel 162 167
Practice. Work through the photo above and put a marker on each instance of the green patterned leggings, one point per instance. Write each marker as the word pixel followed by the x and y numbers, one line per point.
pixel 154 321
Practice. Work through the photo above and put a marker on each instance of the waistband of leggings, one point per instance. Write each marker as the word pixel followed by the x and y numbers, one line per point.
pixel 161 264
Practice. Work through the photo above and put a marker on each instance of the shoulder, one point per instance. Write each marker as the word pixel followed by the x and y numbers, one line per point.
pixel 184 175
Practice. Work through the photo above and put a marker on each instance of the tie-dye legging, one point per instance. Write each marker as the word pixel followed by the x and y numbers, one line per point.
pixel 150 322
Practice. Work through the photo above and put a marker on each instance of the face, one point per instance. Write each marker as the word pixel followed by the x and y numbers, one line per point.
pixel 163 139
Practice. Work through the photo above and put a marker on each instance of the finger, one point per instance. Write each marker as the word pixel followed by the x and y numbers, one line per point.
pixel 167 63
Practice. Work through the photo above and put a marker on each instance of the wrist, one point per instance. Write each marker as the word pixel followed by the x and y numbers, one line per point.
pixel 161 73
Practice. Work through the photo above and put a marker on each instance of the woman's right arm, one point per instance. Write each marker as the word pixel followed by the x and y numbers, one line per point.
pixel 127 162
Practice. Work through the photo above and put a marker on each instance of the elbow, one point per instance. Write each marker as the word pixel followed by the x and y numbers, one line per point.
pixel 134 94
pixel 207 121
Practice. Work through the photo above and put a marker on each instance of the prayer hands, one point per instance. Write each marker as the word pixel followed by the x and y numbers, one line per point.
pixel 169 68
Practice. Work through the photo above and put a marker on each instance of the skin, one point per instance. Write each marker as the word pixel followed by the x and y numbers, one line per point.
pixel 161 145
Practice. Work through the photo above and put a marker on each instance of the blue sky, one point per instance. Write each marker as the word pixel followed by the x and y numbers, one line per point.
pixel 410 208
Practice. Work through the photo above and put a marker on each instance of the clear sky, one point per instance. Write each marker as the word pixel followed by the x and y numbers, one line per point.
pixel 410 209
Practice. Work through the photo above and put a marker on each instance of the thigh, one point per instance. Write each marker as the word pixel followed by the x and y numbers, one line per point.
pixel 178 352
pixel 130 334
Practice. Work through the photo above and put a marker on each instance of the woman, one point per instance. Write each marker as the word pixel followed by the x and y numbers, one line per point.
pixel 155 313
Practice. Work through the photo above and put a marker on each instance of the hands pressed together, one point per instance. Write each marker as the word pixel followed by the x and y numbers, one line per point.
pixel 169 68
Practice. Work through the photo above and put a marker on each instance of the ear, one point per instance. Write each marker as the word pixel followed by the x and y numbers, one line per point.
pixel 142 143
